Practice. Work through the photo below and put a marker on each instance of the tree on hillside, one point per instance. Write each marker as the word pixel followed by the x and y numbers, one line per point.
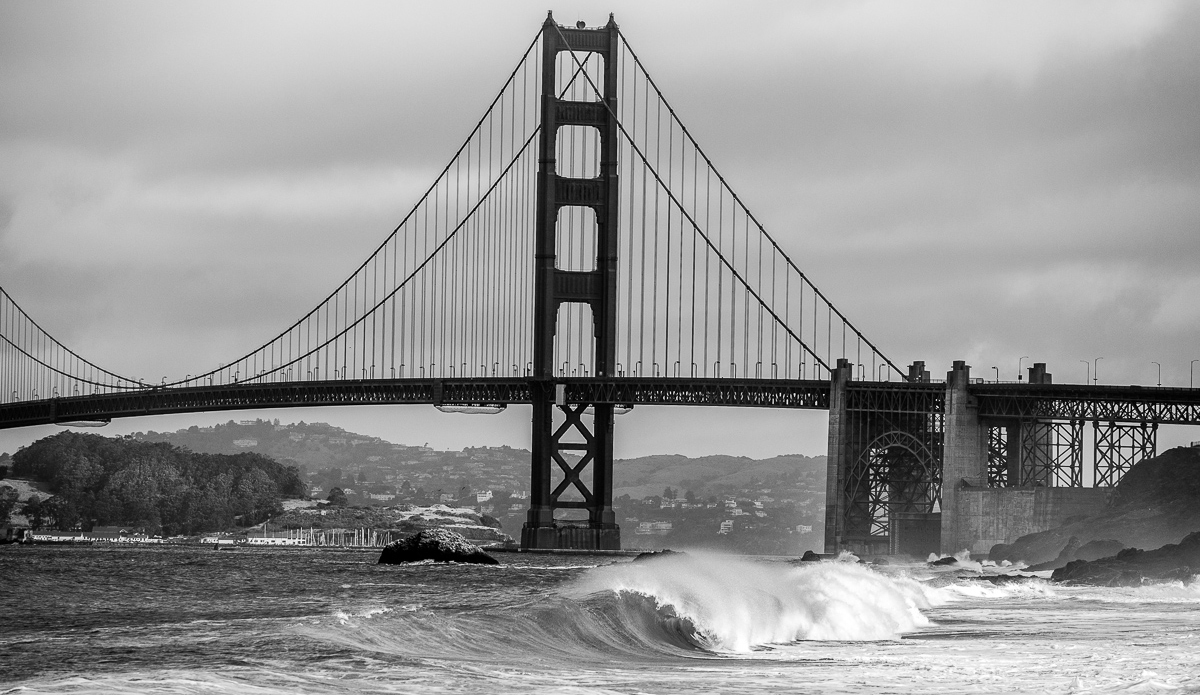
pixel 337 497
pixel 8 502
pixel 34 512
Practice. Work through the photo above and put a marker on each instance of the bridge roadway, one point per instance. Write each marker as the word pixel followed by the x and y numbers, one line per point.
pixel 778 393
pixel 1001 401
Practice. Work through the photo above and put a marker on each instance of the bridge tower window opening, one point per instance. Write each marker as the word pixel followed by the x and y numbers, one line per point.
pixel 575 72
pixel 575 340
pixel 578 152
pixel 575 239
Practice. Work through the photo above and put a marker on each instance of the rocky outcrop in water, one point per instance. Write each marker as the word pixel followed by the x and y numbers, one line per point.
pixel 438 545
pixel 1133 567
pixel 1156 503
pixel 652 554
pixel 1075 550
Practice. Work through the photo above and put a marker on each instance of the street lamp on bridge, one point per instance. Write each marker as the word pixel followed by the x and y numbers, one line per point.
pixel 1023 357
pixel 1159 371
pixel 998 373
pixel 1096 370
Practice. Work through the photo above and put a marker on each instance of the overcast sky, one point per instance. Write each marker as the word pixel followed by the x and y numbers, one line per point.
pixel 981 181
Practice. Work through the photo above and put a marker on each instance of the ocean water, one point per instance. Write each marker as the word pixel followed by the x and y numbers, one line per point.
pixel 263 620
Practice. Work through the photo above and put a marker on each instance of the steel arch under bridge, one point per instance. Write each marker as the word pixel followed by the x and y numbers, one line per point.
pixel 894 487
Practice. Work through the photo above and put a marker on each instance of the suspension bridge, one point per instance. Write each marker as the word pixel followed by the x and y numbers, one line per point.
pixel 581 254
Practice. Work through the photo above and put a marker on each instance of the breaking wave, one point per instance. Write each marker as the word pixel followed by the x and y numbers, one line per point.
pixel 679 605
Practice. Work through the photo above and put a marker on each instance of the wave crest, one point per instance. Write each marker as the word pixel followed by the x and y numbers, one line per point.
pixel 725 603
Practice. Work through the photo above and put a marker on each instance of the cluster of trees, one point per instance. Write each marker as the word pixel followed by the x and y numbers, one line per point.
pixel 8 502
pixel 104 481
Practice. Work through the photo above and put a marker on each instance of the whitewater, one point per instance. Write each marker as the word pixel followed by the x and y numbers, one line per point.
pixel 262 620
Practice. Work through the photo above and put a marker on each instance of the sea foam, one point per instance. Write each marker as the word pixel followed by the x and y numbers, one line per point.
pixel 735 604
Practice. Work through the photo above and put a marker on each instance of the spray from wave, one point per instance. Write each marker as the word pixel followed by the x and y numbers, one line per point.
pixel 725 603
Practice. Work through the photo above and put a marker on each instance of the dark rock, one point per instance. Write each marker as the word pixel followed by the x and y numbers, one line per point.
pixel 810 556
pixel 1134 567
pixel 1094 550
pixel 651 554
pixel 1073 550
pixel 1065 555
pixel 999 579
pixel 945 561
pixel 439 545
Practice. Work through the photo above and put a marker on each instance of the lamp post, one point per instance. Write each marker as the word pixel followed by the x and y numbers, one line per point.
pixel 1023 357
pixel 1159 371
pixel 998 373
pixel 1087 375
pixel 1096 370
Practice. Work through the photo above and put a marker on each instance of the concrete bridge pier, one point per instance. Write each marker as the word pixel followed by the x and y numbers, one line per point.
pixel 1035 483
pixel 844 448
pixel 964 454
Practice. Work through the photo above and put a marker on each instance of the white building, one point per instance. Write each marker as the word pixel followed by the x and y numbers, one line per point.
pixel 654 528
pixel 260 540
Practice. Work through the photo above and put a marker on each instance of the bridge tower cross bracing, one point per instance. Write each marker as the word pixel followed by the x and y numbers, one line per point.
pixel 596 288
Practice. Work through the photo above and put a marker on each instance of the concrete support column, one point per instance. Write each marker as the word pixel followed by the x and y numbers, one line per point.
pixel 964 457
pixel 839 456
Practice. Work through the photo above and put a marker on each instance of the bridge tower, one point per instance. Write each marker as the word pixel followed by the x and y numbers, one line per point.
pixel 595 288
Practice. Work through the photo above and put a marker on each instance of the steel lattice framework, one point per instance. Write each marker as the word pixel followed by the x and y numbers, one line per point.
pixel 1104 403
pixel 1119 446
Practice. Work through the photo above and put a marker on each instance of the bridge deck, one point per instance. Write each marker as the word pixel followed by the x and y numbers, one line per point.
pixel 768 393
pixel 995 401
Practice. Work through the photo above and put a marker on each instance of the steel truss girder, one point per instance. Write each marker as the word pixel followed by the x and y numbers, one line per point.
pixel 761 393
pixel 900 397
pixel 1118 446
pixel 1077 402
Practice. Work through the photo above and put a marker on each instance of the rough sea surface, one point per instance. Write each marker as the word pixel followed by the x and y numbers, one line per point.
pixel 262 620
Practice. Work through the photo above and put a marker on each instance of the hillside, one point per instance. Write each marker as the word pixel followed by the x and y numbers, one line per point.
pixel 707 476
pixel 331 456
pixel 156 486
pixel 736 503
